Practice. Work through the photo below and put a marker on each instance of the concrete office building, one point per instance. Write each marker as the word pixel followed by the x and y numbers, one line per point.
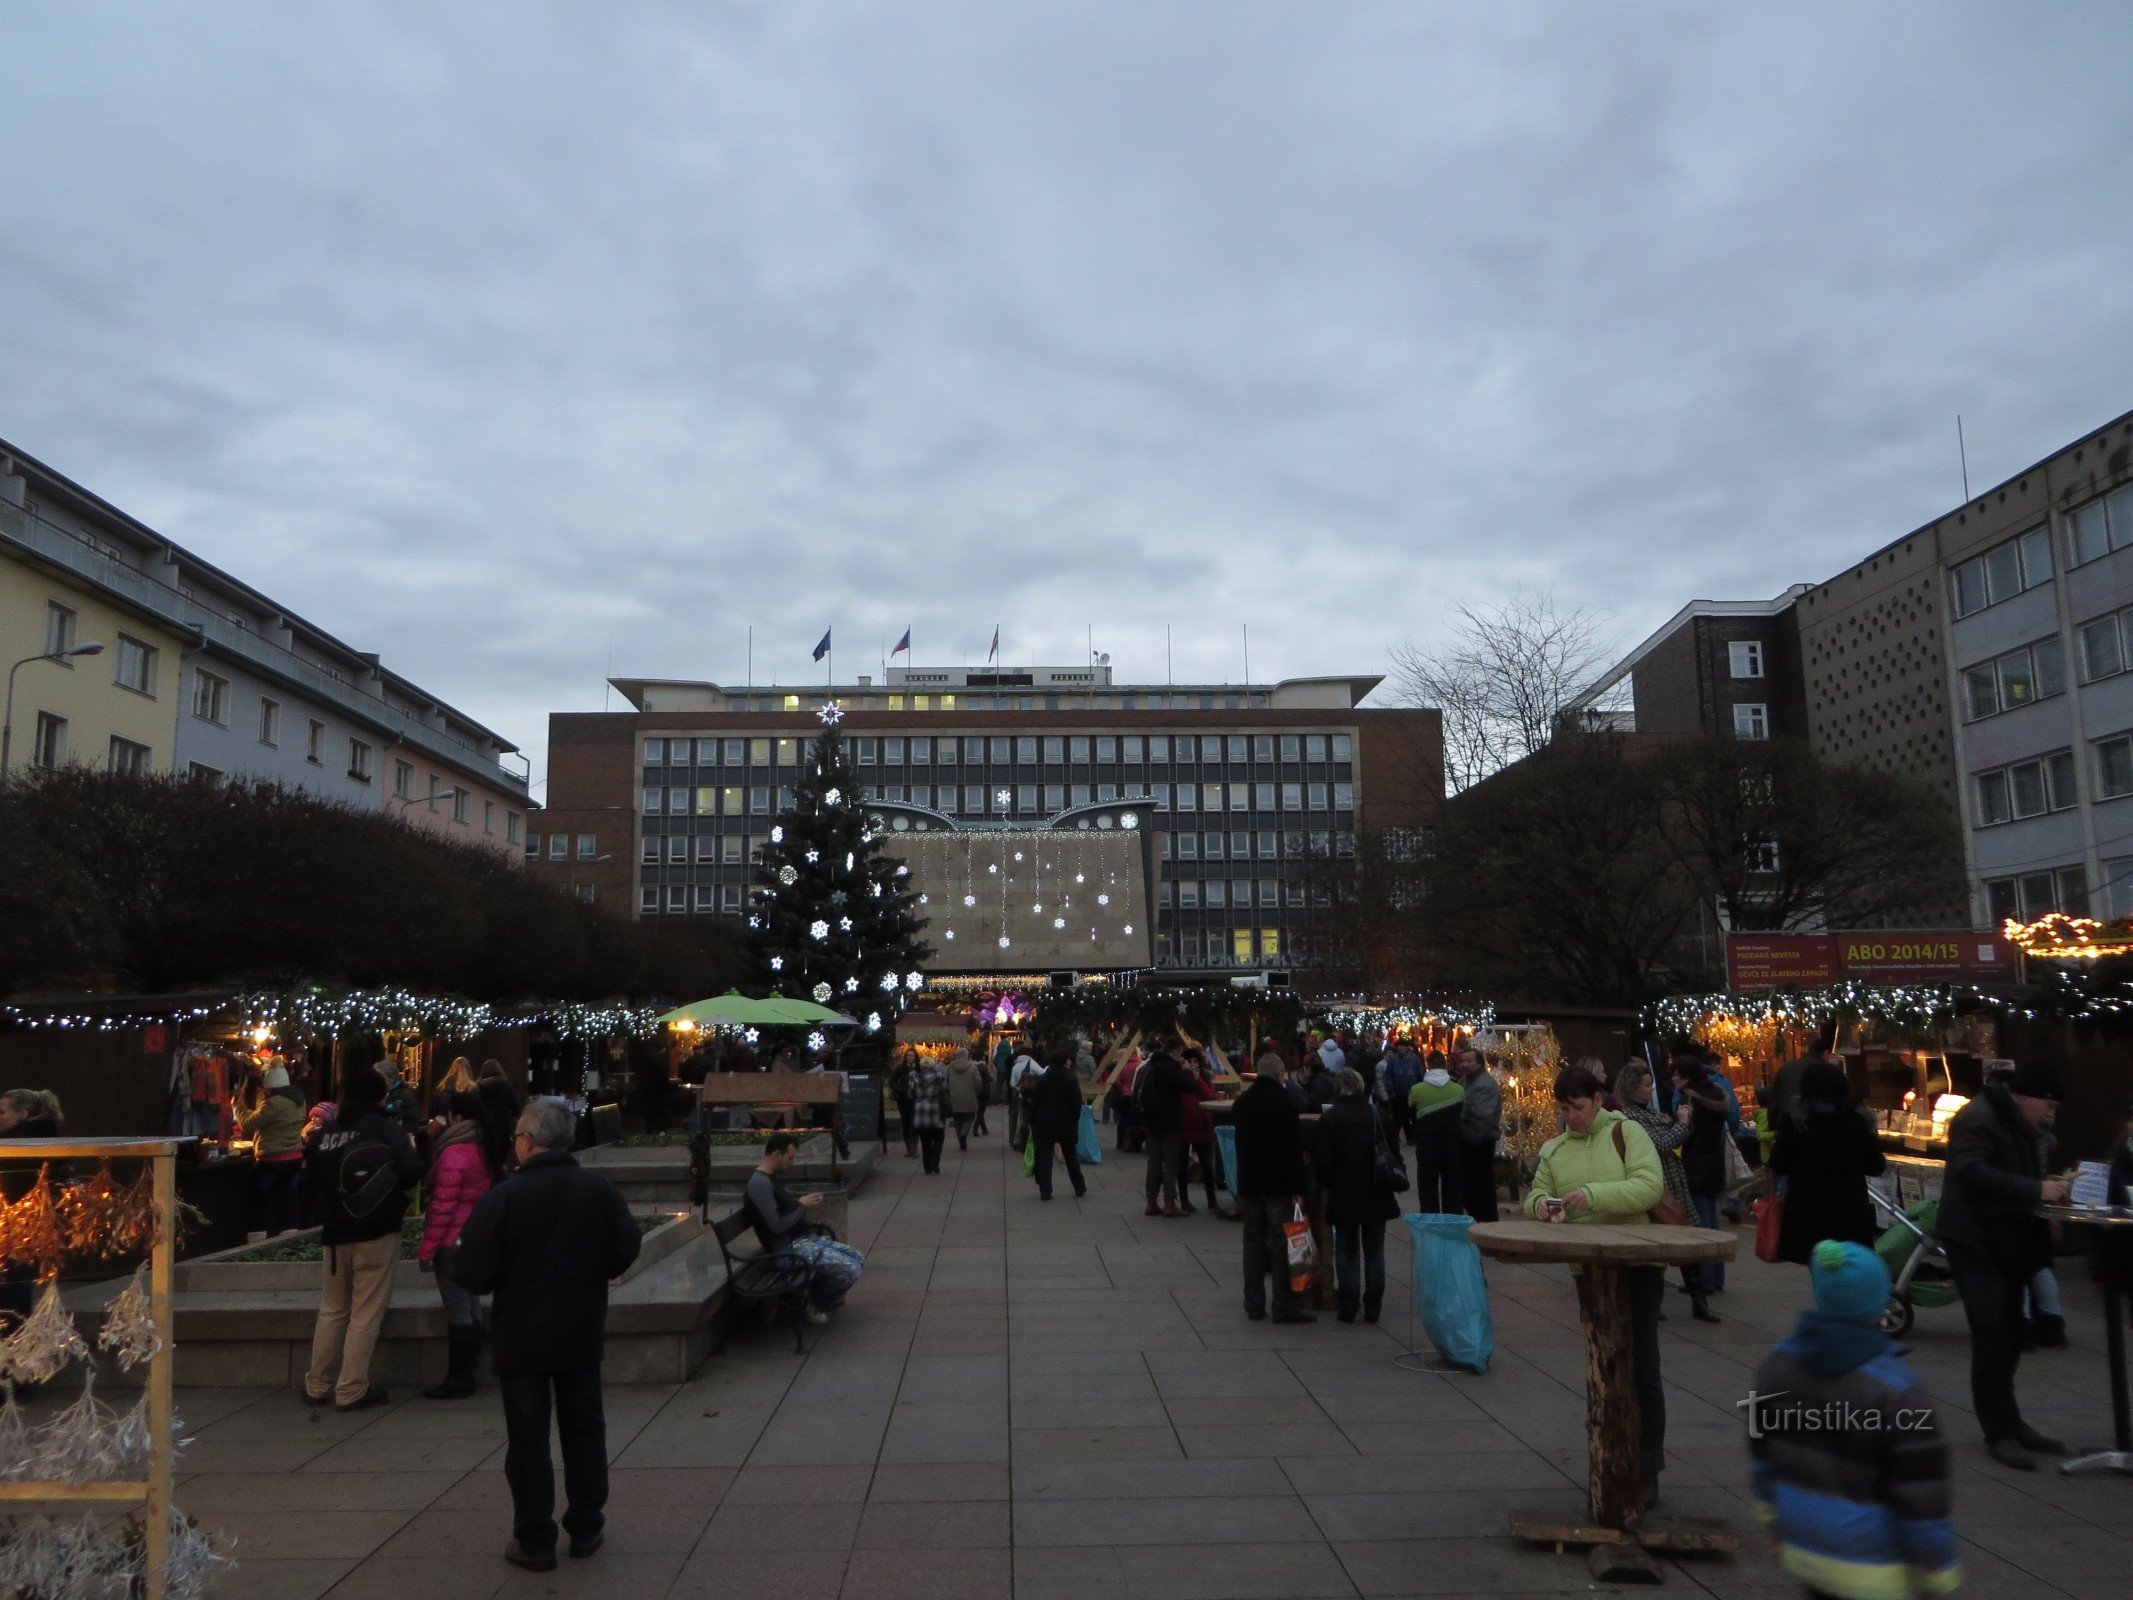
pixel 1990 651
pixel 202 674
pixel 657 811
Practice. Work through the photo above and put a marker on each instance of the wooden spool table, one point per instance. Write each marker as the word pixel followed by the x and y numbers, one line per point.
pixel 1616 1531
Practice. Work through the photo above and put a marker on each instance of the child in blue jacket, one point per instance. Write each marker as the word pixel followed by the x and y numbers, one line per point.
pixel 1850 1473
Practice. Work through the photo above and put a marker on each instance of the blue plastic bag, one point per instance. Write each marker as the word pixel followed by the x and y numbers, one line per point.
pixel 1086 1145
pixel 1226 1147
pixel 1450 1291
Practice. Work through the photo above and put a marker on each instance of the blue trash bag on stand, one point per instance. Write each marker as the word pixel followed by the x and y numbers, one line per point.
pixel 1450 1291
pixel 1226 1148
pixel 1087 1148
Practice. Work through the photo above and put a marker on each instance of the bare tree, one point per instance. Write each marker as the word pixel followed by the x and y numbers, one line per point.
pixel 1502 676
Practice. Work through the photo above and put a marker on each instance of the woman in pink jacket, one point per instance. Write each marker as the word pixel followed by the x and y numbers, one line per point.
pixel 469 1159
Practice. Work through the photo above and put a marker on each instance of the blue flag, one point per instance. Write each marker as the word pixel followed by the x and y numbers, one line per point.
pixel 822 649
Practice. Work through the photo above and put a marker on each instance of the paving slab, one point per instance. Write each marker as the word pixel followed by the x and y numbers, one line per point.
pixel 1027 1402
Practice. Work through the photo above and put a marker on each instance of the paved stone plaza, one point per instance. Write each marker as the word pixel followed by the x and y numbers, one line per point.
pixel 1065 1402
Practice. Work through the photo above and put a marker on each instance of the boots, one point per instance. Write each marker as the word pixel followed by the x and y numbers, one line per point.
pixel 464 1346
pixel 1700 1307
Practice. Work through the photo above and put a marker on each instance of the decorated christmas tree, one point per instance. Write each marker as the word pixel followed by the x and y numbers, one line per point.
pixel 834 918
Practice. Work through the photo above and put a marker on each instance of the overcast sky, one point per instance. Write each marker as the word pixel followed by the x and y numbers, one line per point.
pixel 509 340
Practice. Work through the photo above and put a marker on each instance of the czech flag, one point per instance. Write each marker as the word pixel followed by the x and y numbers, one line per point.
pixel 902 644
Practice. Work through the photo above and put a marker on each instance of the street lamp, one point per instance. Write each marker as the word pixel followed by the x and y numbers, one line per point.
pixel 7 719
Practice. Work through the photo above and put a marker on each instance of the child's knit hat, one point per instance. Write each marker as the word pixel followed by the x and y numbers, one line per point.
pixel 1849 1280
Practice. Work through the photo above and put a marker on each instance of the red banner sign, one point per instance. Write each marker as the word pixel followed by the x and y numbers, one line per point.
pixel 1909 957
pixel 1760 961
pixel 1780 961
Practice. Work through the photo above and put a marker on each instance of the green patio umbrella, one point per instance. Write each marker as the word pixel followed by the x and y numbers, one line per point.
pixel 741 1010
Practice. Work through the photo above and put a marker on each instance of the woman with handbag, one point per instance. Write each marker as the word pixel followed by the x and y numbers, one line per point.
pixel 1700 1105
pixel 1633 1088
pixel 1826 1149
pixel 1361 1171
pixel 469 1161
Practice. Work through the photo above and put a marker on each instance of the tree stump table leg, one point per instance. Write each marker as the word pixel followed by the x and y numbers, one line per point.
pixel 1611 1427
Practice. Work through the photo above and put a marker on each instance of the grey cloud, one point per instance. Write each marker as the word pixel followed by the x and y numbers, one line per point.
pixel 497 337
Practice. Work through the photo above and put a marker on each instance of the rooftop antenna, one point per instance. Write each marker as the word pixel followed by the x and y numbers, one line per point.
pixel 1962 454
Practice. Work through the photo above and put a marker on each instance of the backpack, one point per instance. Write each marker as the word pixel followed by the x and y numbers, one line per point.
pixel 363 1183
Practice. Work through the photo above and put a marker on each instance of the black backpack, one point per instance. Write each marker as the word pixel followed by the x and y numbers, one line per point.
pixel 362 1183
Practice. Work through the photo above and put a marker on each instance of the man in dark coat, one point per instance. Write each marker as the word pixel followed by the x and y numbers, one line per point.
pixel 1996 1242
pixel 1055 1123
pixel 1270 1180
pixel 545 1242
pixel 1160 1090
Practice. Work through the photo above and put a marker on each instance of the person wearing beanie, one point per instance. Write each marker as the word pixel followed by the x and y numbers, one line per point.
pixel 275 1123
pixel 1994 1182
pixel 360 1168
pixel 1849 1471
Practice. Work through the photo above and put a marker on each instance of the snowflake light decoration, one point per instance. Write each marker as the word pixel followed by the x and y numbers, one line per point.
pixel 1005 941
pixel 913 981
pixel 970 899
pixel 888 981
pixel 815 1040
pixel 1059 922
pixel 822 994
pixel 1103 899
pixel 830 715
pixel 777 835
pixel 818 929
pixel 788 875
pixel 851 985
pixel 832 797
pixel 1000 798
pixel 1036 910
pixel 873 1022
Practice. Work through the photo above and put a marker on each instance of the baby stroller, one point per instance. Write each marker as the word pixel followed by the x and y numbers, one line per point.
pixel 1918 1267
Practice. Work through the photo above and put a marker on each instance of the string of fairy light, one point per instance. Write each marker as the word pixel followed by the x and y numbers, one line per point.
pixel 386 1010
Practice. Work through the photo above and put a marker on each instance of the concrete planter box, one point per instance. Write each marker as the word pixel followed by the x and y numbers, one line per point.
pixel 222 1273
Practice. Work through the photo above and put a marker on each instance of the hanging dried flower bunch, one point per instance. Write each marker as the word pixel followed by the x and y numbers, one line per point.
pixel 30 1231
pixel 42 1343
pixel 129 1332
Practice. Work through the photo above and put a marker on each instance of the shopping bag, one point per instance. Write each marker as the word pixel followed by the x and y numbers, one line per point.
pixel 1086 1145
pixel 1738 1173
pixel 1450 1289
pixel 1226 1148
pixel 1029 1156
pixel 1303 1251
pixel 1769 1220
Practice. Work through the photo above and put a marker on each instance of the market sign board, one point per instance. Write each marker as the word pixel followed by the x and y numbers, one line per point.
pixel 1910 957
pixel 1763 961
pixel 1780 961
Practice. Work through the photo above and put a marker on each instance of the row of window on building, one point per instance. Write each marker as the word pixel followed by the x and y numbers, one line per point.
pixel 2047 783
pixel 729 849
pixel 2038 671
pixel 2030 895
pixel 1025 799
pixel 2021 563
pixel 1131 750
pixel 964 700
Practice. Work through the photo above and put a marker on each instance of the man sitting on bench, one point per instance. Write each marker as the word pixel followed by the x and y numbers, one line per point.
pixel 780 1222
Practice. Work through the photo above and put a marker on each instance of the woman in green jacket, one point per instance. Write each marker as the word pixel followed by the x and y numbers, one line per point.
pixel 1604 1168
